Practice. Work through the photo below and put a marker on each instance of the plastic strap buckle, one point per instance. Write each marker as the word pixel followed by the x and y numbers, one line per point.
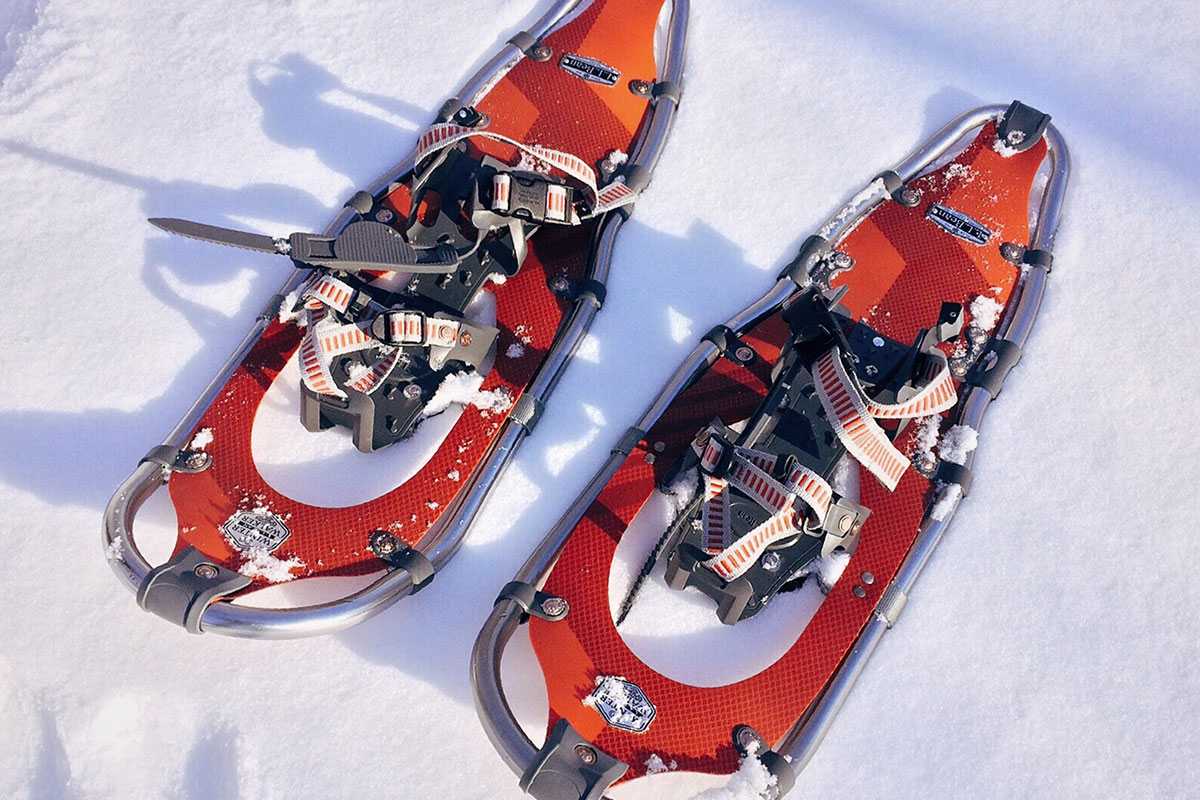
pixel 529 198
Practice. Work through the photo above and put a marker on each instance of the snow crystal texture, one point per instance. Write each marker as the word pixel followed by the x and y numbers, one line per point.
pixel 1027 629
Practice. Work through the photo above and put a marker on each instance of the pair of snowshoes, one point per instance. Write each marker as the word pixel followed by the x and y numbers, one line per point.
pixel 813 447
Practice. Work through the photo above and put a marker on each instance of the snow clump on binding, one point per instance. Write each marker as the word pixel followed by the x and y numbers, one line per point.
pixel 752 781
pixel 655 764
pixel 957 442
pixel 261 564
pixel 985 312
pixel 462 388
pixel 202 439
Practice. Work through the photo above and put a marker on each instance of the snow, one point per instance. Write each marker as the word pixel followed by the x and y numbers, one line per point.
pixel 290 308
pixel 262 564
pixel 463 389
pixel 655 765
pixel 115 549
pixel 202 439
pixel 752 781
pixel 612 162
pixel 826 569
pixel 985 312
pixel 927 434
pixel 1004 149
pixel 948 498
pixel 868 193
pixel 1030 661
pixel 957 442
pixel 358 370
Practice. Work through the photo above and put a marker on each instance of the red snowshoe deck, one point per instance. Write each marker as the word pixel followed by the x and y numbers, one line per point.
pixel 906 267
pixel 536 102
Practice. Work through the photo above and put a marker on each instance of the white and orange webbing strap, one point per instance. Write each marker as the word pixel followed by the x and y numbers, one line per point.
pixel 410 327
pixel 325 339
pixel 748 472
pixel 853 416
pixel 558 199
pixel 611 196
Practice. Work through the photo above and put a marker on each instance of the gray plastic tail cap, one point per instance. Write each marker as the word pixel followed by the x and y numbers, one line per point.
pixel 181 590
pixel 569 767
pixel 1022 126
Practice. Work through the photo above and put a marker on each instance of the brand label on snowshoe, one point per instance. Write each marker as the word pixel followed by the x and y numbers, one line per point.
pixel 959 224
pixel 622 704
pixel 255 530
pixel 589 69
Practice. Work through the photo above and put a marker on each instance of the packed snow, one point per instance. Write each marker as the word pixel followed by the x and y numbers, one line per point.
pixel 751 782
pixel 957 442
pixel 655 765
pixel 463 389
pixel 948 498
pixel 928 429
pixel 1031 661
pixel 985 312
pixel 262 564
pixel 202 439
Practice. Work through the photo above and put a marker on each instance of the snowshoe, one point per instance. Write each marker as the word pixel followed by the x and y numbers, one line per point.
pixel 431 319
pixel 791 479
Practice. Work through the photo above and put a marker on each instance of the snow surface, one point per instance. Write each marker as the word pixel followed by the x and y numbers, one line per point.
pixel 1031 660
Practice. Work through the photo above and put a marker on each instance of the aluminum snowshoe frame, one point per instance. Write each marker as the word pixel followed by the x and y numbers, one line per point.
pixel 205 611
pixel 568 766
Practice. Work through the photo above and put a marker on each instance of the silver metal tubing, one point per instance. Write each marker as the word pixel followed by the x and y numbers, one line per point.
pixel 510 54
pixel 124 557
pixel 514 747
pixel 940 143
pixel 803 739
pixel 446 536
pixel 498 721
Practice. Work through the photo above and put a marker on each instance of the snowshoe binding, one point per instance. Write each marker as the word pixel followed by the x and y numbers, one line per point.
pixel 441 305
pixel 794 475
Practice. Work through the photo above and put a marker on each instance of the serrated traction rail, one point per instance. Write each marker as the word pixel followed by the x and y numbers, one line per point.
pixel 444 538
pixel 802 739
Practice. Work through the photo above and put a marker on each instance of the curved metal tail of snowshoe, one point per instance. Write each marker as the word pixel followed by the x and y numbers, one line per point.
pixel 1018 127
pixel 188 590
